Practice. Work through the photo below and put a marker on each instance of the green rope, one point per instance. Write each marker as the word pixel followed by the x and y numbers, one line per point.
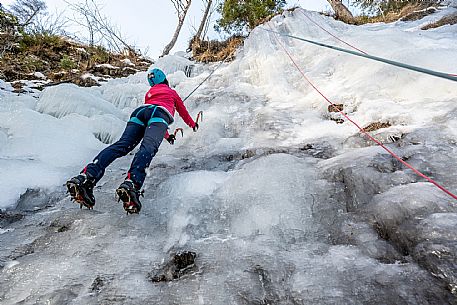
pixel 208 77
pixel 387 61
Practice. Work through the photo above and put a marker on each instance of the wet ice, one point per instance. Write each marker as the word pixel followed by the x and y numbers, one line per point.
pixel 280 204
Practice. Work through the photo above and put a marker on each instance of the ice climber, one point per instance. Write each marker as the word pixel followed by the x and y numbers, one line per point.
pixel 149 124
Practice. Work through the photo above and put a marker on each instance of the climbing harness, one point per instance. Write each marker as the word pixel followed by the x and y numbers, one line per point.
pixel 448 76
pixel 153 119
pixel 363 131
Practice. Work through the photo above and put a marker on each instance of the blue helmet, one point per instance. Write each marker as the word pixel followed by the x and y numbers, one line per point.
pixel 156 76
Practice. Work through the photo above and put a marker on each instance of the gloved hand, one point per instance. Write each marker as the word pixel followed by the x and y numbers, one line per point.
pixel 171 139
pixel 195 127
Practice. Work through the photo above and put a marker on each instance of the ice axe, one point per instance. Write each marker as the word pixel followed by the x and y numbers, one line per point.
pixel 178 130
pixel 171 138
pixel 199 118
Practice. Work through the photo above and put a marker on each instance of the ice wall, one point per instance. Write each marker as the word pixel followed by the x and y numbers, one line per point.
pixel 281 204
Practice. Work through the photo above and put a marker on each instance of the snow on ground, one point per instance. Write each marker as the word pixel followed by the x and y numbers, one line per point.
pixel 281 204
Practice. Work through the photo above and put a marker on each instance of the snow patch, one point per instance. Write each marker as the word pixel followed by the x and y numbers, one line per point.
pixel 39 75
pixel 128 62
pixel 107 66
pixel 90 75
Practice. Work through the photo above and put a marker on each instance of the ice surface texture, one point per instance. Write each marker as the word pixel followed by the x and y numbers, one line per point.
pixel 280 204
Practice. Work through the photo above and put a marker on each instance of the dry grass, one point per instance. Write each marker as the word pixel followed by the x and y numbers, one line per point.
pixel 408 13
pixel 417 15
pixel 212 51
pixel 376 125
pixel 335 108
pixel 448 20
pixel 59 59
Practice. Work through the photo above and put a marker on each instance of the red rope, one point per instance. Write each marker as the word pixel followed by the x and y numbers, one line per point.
pixel 363 130
pixel 339 39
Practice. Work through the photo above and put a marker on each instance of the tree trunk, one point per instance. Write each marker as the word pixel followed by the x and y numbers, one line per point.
pixel 203 22
pixel 172 43
pixel 341 12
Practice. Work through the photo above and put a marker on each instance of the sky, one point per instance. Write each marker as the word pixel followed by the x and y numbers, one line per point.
pixel 149 25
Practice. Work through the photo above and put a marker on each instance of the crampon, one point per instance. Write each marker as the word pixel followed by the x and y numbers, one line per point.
pixel 80 190
pixel 130 197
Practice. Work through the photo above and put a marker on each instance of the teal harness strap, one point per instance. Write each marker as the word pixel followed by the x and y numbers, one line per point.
pixel 136 120
pixel 157 120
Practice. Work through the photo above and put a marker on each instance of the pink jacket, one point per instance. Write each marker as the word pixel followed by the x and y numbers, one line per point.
pixel 167 99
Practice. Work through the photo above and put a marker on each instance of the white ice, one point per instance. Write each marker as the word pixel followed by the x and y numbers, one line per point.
pixel 272 222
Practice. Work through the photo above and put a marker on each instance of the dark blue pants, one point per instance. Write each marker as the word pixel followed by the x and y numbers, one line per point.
pixel 138 128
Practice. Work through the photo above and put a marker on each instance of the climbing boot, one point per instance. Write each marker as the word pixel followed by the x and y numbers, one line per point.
pixel 81 189
pixel 130 196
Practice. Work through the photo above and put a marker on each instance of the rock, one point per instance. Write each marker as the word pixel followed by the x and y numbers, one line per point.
pixel 98 283
pixel 180 263
pixel 128 71
pixel 87 80
pixel 127 63
pixel 417 15
pixel 7 218
pixel 105 69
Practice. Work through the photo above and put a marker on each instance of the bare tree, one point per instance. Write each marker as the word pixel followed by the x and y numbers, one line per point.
pixel 51 24
pixel 101 31
pixel 208 4
pixel 382 7
pixel 210 7
pixel 181 7
pixel 209 20
pixel 27 10
pixel 8 32
pixel 341 11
